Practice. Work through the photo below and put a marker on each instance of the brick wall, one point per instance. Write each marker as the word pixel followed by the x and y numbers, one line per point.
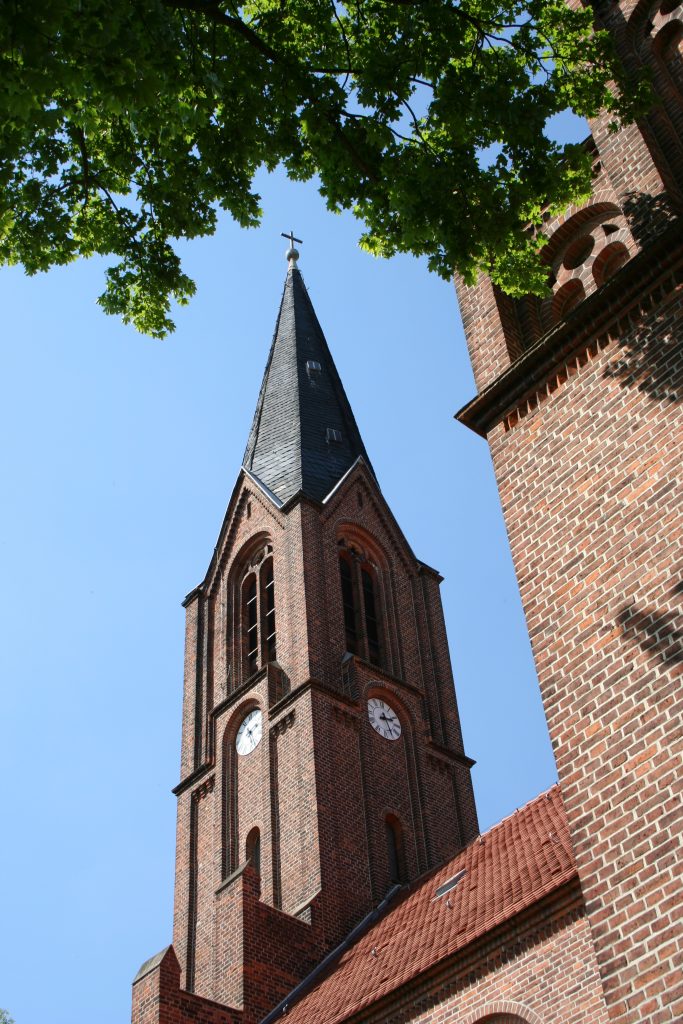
pixel 590 488
pixel 298 814
pixel 261 952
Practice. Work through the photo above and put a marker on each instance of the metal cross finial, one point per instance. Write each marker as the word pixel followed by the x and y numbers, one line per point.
pixel 292 254
pixel 291 238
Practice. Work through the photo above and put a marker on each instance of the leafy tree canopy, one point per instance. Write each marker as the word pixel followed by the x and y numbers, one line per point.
pixel 5 1017
pixel 124 126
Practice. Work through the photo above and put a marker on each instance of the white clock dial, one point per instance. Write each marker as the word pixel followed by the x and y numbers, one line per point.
pixel 383 719
pixel 249 733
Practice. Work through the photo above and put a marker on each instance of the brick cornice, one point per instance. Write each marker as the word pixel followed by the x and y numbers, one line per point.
pixel 379 674
pixel 227 882
pixel 190 780
pixel 204 789
pixel 239 692
pixel 310 684
pixel 441 752
pixel 629 289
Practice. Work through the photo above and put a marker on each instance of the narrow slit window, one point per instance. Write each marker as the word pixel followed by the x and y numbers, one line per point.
pixel 394 849
pixel 253 850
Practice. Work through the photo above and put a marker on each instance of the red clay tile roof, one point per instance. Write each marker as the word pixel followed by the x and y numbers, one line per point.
pixel 512 866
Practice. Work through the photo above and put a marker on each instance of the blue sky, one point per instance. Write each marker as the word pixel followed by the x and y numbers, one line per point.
pixel 118 459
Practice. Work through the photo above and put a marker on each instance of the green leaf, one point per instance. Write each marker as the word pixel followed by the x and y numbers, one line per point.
pixel 124 127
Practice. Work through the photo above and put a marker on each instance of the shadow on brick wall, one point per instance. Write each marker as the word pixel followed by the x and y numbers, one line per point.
pixel 649 216
pixel 650 354
pixel 656 632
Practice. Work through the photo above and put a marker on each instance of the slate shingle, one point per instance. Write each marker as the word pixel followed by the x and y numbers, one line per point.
pixel 288 447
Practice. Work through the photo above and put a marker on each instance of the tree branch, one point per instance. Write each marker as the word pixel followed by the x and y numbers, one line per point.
pixel 368 117
pixel 212 11
pixel 351 149
pixel 346 41
pixel 79 136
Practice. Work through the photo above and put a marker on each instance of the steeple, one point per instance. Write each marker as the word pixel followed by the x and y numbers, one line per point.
pixel 304 436
pixel 315 652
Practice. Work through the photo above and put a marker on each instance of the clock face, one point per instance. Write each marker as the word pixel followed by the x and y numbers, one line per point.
pixel 383 719
pixel 249 733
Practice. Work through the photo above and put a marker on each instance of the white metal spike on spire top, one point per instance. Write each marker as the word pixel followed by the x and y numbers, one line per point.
pixel 292 254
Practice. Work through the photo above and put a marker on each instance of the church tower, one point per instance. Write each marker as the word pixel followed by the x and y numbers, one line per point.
pixel 580 398
pixel 322 760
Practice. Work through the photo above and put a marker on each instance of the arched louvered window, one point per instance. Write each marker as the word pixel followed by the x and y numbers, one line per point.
pixel 259 638
pixel 361 604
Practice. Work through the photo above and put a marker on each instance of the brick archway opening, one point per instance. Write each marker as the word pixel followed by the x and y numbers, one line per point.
pixel 504 1012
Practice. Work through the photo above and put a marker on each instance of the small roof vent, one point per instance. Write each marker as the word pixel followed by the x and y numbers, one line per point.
pixel 333 435
pixel 448 885
pixel 313 367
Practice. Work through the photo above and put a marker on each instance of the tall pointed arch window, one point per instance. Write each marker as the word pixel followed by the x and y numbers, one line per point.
pixel 259 637
pixel 361 603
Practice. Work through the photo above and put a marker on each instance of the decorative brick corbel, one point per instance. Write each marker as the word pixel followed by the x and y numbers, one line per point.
pixel 206 787
pixel 283 724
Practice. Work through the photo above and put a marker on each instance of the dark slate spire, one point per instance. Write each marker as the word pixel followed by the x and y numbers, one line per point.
pixel 304 436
